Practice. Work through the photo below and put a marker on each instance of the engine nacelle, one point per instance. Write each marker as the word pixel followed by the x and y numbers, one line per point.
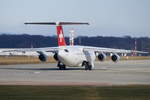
pixel 115 57
pixel 101 56
pixel 55 56
pixel 42 56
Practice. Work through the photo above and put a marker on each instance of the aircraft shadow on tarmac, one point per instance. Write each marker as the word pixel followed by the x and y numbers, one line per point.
pixel 48 69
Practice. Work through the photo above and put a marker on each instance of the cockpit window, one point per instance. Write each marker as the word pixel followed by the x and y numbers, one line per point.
pixel 66 50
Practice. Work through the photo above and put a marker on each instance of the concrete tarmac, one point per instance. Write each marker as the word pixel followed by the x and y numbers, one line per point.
pixel 105 73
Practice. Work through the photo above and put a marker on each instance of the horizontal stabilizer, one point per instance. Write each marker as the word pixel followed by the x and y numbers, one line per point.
pixel 58 23
pixel 60 34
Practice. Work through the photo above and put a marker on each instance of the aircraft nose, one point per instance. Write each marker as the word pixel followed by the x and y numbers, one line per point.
pixel 61 54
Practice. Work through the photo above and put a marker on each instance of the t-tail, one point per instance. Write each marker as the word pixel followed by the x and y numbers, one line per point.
pixel 59 29
pixel 60 36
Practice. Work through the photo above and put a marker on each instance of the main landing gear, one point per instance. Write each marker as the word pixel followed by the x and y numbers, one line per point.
pixel 87 65
pixel 61 66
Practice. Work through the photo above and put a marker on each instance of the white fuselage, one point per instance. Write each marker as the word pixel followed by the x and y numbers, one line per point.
pixel 75 55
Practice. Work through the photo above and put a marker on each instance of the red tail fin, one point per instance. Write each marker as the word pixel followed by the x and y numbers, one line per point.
pixel 60 36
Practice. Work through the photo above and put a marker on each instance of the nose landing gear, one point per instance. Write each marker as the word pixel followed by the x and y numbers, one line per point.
pixel 61 66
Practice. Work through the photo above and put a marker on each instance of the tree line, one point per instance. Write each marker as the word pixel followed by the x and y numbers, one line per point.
pixel 27 41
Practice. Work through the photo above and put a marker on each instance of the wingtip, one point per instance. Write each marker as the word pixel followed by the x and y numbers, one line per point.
pixel 25 23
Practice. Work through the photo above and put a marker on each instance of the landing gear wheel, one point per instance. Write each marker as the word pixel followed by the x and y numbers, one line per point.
pixel 88 66
pixel 61 66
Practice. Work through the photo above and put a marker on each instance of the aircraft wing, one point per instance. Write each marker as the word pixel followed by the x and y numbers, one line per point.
pixel 23 50
pixel 111 50
pixel 29 49
pixel 55 49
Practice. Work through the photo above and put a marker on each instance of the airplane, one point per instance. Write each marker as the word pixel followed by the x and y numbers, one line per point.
pixel 72 55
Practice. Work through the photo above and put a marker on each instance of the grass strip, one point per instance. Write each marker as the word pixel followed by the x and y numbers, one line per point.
pixel 137 92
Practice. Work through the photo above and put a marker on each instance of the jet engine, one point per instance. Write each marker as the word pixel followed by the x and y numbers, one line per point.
pixel 55 56
pixel 115 57
pixel 101 56
pixel 42 56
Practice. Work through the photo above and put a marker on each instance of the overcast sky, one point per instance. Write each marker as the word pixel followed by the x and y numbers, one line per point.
pixel 106 17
